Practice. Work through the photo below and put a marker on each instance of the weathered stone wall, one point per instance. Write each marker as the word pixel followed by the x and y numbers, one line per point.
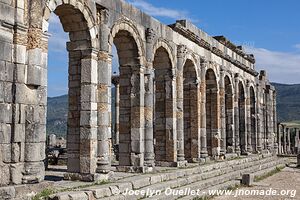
pixel 175 102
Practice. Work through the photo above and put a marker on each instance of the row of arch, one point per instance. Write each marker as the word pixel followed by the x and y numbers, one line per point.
pixel 132 55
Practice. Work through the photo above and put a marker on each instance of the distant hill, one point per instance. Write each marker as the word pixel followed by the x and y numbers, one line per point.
pixel 288 102
pixel 57 115
pixel 288 108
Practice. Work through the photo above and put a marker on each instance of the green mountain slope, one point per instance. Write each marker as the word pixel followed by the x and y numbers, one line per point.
pixel 288 102
pixel 57 115
pixel 288 108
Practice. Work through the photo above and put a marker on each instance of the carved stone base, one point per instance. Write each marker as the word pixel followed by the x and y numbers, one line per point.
pixel 133 169
pixel 88 177
pixel 229 156
pixel 171 164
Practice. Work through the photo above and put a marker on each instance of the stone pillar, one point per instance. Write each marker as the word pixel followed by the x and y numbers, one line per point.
pixel 104 98
pixel 149 100
pixel 195 123
pixel 279 130
pixel 275 120
pixel 269 113
pixel 171 133
pixel 297 141
pixel 52 140
pixel 204 66
pixel 284 139
pixel 32 107
pixel 181 53
pixel 236 115
pixel 258 117
pixel 137 133
pixel 88 112
pixel 288 141
pixel 248 119
pixel 115 138
pixel 222 112
pixel 149 97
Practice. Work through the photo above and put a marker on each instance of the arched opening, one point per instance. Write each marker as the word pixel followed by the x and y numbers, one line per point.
pixel 78 47
pixel 191 112
pixel 115 106
pixel 242 117
pixel 252 122
pixel 163 98
pixel 211 112
pixel 129 98
pixel 229 115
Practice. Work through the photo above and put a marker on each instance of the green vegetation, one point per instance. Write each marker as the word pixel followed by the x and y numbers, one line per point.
pixel 47 192
pixel 274 171
pixel 288 102
pixel 43 194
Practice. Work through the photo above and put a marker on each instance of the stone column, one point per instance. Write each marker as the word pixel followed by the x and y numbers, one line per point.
pixel 171 133
pixel 149 99
pixel 137 133
pixel 279 130
pixel 181 53
pixel 31 101
pixel 297 141
pixel 258 118
pixel 269 112
pixel 236 115
pixel 104 98
pixel 204 66
pixel 195 122
pixel 88 112
pixel 115 139
pixel 275 119
pixel 288 141
pixel 284 139
pixel 222 112
pixel 248 119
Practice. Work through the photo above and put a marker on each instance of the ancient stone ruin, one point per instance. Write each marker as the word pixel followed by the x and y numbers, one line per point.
pixel 182 95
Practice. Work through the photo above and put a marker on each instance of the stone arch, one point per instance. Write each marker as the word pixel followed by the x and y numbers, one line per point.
pixel 126 25
pixel 211 111
pixel 229 114
pixel 164 44
pixel 76 19
pixel 191 111
pixel 242 116
pixel 163 106
pixel 130 51
pixel 252 122
pixel 190 57
pixel 82 9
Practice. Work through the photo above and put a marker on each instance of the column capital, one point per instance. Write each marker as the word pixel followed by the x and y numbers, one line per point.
pixel 181 51
pixel 103 16
pixel 150 35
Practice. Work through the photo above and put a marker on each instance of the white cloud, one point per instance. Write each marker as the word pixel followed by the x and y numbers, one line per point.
pixel 282 67
pixel 297 46
pixel 58 38
pixel 161 11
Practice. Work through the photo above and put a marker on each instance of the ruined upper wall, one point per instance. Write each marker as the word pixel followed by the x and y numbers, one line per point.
pixel 219 46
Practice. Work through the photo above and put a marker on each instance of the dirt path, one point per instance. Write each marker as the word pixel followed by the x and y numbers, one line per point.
pixel 288 179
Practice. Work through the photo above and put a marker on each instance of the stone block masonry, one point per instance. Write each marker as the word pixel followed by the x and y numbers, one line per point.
pixel 182 95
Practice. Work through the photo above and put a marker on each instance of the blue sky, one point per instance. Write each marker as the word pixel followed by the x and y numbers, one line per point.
pixel 269 29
